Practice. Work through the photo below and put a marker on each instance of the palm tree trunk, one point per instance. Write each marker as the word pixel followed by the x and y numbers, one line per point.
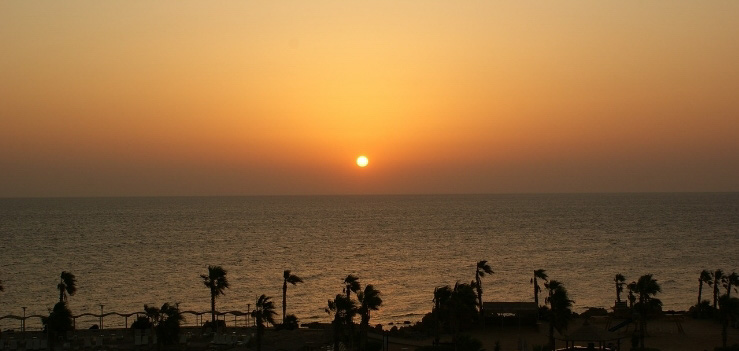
pixel 284 300
pixel 536 292
pixel 715 294
pixel 363 335
pixel 260 331
pixel 213 309
pixel 551 331
pixel 336 336
pixel 700 292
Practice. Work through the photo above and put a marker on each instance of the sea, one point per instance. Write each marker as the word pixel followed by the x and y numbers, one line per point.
pixel 128 252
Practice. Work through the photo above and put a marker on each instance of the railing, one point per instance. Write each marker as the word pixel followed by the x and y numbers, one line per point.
pixel 240 319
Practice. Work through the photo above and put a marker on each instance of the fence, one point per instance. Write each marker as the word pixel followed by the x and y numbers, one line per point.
pixel 124 320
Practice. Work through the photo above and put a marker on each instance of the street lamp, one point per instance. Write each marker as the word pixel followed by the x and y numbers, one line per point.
pixel 101 316
pixel 23 322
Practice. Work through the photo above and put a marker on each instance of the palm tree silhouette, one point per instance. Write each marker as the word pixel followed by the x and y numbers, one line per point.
pixel 287 278
pixel 559 308
pixel 343 309
pixel 481 269
pixel 705 277
pixel 632 297
pixel 729 311
pixel 369 300
pixel 351 283
pixel 264 312
pixel 540 274
pixel 647 287
pixel 67 285
pixel 619 279
pixel 216 281
pixel 730 281
pixel 718 277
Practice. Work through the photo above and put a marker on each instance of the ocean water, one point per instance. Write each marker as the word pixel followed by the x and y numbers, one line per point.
pixel 127 252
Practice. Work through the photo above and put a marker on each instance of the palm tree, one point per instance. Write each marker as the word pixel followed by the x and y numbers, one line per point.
pixel 620 280
pixel 216 281
pixel 540 274
pixel 729 310
pixel 632 297
pixel 647 287
pixel 718 277
pixel 287 278
pixel 705 277
pixel 481 269
pixel 441 300
pixel 351 283
pixel 369 300
pixel 264 312
pixel 730 281
pixel 559 308
pixel 67 285
pixel 343 309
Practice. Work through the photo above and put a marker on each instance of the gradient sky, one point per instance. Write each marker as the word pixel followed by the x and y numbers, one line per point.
pixel 108 98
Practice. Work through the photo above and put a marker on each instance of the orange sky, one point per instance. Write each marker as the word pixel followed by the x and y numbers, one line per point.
pixel 280 97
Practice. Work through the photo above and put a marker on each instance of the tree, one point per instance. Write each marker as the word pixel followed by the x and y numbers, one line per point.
pixel 620 280
pixel 58 322
pixel 67 285
pixel 729 311
pixel 481 269
pixel 632 297
pixel 351 283
pixel 646 287
pixel 730 281
pixel 538 274
pixel 287 278
pixel 455 308
pixel 1 286
pixel 343 309
pixel 369 300
pixel 718 277
pixel 264 312
pixel 166 322
pixel 217 282
pixel 560 306
pixel 705 277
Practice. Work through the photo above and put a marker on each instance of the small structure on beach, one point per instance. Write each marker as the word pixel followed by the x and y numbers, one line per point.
pixel 598 339
pixel 525 312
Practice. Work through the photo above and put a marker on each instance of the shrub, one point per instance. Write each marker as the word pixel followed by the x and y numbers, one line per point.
pixel 141 323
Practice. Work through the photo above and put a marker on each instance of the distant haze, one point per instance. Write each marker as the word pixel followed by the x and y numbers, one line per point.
pixel 123 98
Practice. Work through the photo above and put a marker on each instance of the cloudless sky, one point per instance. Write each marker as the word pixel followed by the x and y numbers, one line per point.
pixel 108 98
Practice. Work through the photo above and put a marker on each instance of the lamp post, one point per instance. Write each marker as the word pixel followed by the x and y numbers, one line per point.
pixel 23 322
pixel 101 316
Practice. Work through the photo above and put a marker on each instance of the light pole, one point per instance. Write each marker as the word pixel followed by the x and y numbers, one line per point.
pixel 23 322
pixel 101 316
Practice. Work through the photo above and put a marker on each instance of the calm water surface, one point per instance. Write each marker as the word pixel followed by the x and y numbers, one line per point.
pixel 127 252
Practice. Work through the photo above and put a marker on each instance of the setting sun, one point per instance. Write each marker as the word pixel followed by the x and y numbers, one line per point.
pixel 362 161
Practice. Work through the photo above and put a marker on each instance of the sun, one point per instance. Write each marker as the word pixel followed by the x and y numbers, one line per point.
pixel 362 161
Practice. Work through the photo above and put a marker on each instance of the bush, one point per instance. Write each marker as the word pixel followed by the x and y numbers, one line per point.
pixel 141 323
pixel 59 319
pixel 291 323
pixel 373 345
pixel 468 343
pixel 219 325
pixel 594 311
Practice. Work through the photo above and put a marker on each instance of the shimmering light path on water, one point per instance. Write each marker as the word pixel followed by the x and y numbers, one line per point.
pixel 127 252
